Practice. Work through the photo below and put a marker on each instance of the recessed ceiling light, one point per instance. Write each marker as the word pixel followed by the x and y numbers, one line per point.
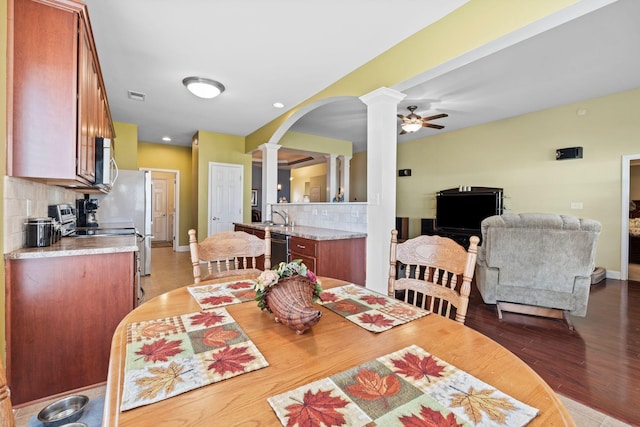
pixel 203 88
pixel 166 139
pixel 278 104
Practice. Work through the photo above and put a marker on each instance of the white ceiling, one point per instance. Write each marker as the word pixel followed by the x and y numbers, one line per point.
pixel 262 51
pixel 593 55
pixel 288 51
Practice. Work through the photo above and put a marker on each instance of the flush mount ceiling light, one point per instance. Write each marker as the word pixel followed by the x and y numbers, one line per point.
pixel 203 88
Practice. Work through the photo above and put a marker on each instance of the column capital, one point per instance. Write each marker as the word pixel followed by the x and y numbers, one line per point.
pixel 267 146
pixel 383 94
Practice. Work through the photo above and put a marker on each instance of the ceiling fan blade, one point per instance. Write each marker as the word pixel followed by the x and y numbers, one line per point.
pixel 400 116
pixel 402 132
pixel 437 116
pixel 431 125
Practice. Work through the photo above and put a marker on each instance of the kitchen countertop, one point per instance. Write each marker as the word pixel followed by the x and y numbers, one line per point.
pixel 72 246
pixel 313 233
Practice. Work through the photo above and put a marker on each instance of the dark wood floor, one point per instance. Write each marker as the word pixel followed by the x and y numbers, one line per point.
pixel 597 364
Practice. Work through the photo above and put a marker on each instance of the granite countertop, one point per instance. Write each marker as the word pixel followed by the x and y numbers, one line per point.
pixel 313 233
pixel 72 246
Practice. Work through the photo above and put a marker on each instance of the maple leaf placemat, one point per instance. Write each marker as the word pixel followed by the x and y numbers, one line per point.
pixel 220 294
pixel 368 309
pixel 409 387
pixel 167 357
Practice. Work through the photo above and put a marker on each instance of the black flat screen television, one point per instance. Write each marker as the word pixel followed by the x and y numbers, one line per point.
pixel 465 210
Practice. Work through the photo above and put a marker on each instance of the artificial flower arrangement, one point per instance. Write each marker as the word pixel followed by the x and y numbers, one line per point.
pixel 270 278
pixel 289 291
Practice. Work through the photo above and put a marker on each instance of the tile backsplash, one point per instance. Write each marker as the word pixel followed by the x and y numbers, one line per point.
pixel 338 216
pixel 24 199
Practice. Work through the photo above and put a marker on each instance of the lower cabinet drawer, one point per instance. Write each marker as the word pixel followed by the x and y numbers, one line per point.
pixel 310 262
pixel 303 247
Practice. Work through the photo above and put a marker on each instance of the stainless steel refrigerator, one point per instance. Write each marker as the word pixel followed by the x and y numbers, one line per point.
pixel 130 200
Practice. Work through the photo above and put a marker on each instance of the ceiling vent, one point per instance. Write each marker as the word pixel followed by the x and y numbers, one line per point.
pixel 136 96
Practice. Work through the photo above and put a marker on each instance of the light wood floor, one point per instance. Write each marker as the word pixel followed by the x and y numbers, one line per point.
pixel 170 270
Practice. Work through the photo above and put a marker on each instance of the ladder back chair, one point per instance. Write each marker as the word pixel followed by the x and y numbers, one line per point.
pixel 229 253
pixel 437 273
pixel 6 410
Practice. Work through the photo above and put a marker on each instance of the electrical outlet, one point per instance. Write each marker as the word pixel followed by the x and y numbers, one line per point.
pixel 324 212
pixel 354 213
pixel 28 208
pixel 576 205
pixel 314 212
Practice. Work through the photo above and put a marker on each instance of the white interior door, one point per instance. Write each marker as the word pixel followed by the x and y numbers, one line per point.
pixel 160 207
pixel 225 196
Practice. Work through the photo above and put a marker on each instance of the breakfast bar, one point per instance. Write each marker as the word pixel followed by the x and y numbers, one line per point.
pixel 330 252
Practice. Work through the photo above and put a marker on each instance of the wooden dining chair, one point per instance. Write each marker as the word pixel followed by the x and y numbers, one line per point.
pixel 229 253
pixel 435 273
pixel 6 410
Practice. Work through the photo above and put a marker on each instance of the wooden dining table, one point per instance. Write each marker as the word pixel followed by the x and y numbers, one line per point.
pixel 331 346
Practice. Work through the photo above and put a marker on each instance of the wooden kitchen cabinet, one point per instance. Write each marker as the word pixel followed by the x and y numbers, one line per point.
pixel 255 232
pixel 58 103
pixel 341 259
pixel 61 315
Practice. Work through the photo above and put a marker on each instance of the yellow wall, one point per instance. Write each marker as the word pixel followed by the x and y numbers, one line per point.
pixel 301 176
pixel 3 156
pixel 315 143
pixel 358 178
pixel 518 154
pixel 126 145
pixel 162 156
pixel 470 26
pixel 220 148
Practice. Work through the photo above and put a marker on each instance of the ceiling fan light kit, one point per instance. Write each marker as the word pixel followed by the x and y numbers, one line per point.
pixel 413 122
pixel 202 87
pixel 411 127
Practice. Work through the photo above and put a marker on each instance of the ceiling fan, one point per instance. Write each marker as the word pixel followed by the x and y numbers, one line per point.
pixel 413 122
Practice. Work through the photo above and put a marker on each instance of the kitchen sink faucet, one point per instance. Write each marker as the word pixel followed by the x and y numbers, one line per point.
pixel 284 216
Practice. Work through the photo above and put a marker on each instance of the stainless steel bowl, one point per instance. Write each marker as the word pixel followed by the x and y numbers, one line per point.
pixel 63 411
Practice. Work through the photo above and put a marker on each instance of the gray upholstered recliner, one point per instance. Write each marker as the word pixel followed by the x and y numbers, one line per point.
pixel 537 261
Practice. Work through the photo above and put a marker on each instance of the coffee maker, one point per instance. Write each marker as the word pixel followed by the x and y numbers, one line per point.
pixel 86 211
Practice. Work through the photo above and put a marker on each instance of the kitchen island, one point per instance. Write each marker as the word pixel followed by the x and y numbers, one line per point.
pixel 327 252
pixel 64 302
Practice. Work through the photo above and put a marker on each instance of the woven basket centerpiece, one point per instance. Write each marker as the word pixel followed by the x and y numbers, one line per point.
pixel 288 292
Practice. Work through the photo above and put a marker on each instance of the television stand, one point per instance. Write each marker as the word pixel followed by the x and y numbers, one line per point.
pixel 461 237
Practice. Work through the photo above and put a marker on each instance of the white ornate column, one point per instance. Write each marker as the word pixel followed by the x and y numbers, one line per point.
pixel 382 141
pixel 269 178
pixel 332 176
pixel 345 179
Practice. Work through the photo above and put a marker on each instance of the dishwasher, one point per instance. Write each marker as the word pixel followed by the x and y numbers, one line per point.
pixel 279 248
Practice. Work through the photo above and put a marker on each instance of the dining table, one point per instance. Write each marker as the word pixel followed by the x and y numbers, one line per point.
pixel 333 345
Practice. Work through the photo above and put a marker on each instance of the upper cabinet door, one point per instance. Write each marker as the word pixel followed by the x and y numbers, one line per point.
pixel 58 101
pixel 87 107
pixel 45 46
